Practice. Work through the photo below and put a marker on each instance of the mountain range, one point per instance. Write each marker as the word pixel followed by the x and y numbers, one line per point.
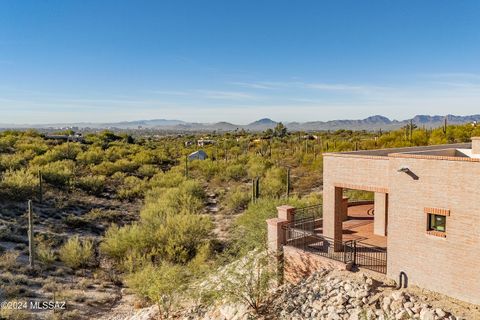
pixel 376 122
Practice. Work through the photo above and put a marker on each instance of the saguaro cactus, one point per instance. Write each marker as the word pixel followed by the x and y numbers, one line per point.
pixel 40 187
pixel 186 166
pixel 31 247
pixel 288 182
pixel 255 189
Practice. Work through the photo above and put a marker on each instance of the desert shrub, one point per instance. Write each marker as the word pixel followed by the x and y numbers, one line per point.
pixel 147 170
pixel 45 254
pixel 8 259
pixel 58 173
pixel 19 184
pixel 162 285
pixel 256 167
pixel 14 314
pixel 132 188
pixel 35 145
pixel 248 280
pixel 169 227
pixel 206 168
pixel 145 157
pixel 167 180
pixel 274 183
pixel 14 161
pixel 235 172
pixel 118 152
pixel 108 168
pixel 91 184
pixel 65 151
pixel 76 253
pixel 174 238
pixel 124 165
pixel 94 155
pixel 105 168
pixel 237 199
pixel 187 198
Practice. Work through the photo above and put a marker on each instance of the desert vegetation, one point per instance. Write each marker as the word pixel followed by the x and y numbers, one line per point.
pixel 120 210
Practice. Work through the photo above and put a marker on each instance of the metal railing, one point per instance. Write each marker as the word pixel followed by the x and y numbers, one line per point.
pixel 310 242
pixel 370 257
pixel 308 213
pixel 302 235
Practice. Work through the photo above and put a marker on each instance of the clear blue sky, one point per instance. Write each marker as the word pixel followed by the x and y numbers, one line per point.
pixel 206 61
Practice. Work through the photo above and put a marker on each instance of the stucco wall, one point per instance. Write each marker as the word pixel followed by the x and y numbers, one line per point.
pixel 447 265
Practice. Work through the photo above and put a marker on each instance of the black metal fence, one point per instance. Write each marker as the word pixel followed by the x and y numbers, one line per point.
pixel 301 235
pixel 310 242
pixel 308 213
pixel 370 257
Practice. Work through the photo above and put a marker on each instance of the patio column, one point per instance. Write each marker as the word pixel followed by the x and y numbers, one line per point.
pixel 276 236
pixel 380 220
pixel 333 214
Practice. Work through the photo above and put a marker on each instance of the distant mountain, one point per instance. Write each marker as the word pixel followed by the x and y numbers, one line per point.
pixel 375 122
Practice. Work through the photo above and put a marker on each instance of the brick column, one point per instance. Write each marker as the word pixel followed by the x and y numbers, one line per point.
pixel 380 220
pixel 276 237
pixel 332 213
pixel 476 145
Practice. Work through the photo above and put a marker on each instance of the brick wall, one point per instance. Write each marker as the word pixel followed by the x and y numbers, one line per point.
pixel 299 264
pixel 449 265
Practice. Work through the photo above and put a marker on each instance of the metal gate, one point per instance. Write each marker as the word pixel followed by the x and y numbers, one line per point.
pixel 370 257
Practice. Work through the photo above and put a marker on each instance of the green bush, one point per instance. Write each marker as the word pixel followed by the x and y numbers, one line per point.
pixel 94 155
pixel 237 199
pixel 92 184
pixel 19 184
pixel 147 170
pixel 58 173
pixel 76 253
pixel 65 151
pixel 45 254
pixel 236 172
pixel 131 188
pixel 162 285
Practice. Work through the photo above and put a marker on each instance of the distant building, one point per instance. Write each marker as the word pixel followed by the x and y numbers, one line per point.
pixel 64 137
pixel 198 155
pixel 204 142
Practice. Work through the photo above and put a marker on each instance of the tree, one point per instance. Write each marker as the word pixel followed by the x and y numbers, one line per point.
pixel 280 130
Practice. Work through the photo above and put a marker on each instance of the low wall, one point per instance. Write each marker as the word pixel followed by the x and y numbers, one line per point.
pixel 298 264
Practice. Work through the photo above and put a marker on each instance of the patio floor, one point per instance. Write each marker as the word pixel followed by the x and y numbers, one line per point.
pixel 359 226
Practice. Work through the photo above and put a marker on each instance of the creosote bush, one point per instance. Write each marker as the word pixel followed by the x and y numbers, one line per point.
pixel 76 253
pixel 19 184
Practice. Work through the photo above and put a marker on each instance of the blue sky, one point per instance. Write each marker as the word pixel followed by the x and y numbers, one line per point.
pixel 207 61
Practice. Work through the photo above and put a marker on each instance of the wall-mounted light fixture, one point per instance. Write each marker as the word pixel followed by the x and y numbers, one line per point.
pixel 407 170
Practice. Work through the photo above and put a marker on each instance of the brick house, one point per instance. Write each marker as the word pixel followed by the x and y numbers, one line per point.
pixel 424 220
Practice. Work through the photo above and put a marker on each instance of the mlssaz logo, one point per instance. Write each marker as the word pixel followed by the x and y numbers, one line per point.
pixel 47 305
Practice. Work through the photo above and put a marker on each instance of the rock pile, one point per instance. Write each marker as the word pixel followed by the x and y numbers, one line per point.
pixel 325 296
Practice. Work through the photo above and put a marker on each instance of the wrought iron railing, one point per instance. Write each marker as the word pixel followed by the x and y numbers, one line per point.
pixel 370 257
pixel 308 213
pixel 302 235
pixel 308 241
